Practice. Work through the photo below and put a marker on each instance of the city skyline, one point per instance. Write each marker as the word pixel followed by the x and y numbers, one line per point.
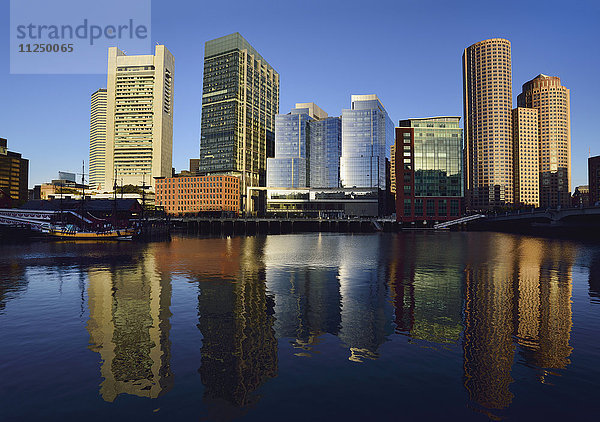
pixel 330 83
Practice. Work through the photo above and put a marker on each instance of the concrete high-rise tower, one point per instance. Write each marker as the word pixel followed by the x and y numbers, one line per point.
pixel 552 100
pixel 487 101
pixel 139 121
pixel 526 156
pixel 240 98
pixel 98 140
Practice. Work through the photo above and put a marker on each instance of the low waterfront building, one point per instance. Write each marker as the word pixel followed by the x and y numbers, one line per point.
pixel 325 202
pixel 428 166
pixel 14 174
pixel 581 196
pixel 198 194
pixel 594 179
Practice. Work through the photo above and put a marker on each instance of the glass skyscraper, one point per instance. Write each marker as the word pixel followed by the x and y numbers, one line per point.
pixel 307 149
pixel 367 134
pixel 240 98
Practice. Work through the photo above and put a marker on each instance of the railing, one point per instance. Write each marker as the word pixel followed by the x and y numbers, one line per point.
pixel 461 220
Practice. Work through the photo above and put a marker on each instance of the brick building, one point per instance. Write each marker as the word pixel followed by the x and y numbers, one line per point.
pixel 198 194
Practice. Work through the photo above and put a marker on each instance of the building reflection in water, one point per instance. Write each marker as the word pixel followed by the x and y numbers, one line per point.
pixel 426 287
pixel 366 308
pixel 239 349
pixel 12 282
pixel 594 278
pixel 307 294
pixel 518 290
pixel 129 327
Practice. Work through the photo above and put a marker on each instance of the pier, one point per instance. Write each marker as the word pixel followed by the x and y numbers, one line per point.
pixel 252 226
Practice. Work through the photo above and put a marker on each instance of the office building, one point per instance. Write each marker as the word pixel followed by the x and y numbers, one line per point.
pixel 14 175
pixel 594 179
pixel 240 98
pixel 526 157
pixel 367 135
pixel 197 194
pixel 487 102
pixel 139 122
pixel 307 149
pixel 429 169
pixel 97 165
pixel 552 100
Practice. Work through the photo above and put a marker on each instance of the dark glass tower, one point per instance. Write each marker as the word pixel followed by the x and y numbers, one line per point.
pixel 240 98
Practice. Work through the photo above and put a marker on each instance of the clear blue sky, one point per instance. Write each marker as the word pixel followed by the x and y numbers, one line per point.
pixel 408 52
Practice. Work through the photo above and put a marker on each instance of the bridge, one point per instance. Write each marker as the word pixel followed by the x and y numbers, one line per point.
pixel 36 219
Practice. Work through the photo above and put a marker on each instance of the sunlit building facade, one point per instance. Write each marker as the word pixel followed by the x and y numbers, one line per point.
pixel 240 98
pixel 198 194
pixel 552 101
pixel 367 135
pixel 97 166
pixel 487 101
pixel 526 156
pixel 307 149
pixel 139 121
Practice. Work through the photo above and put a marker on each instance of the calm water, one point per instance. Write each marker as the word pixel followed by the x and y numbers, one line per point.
pixel 301 327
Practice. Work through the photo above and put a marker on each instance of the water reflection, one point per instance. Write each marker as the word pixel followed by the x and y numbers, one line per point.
pixel 239 350
pixel 235 317
pixel 497 307
pixel 426 288
pixel 129 328
pixel 12 282
pixel 518 292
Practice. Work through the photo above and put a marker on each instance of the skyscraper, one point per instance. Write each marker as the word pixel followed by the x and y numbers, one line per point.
pixel 552 100
pixel 98 139
pixel 526 156
pixel 14 174
pixel 139 122
pixel 487 101
pixel 307 149
pixel 240 98
pixel 367 135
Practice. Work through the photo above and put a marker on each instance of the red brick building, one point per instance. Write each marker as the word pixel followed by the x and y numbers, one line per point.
pixel 197 194
pixel 428 169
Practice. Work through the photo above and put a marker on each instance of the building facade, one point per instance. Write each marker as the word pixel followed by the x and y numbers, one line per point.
pixel 98 140
pixel 198 194
pixel 139 122
pixel 594 179
pixel 307 149
pixel 240 98
pixel 487 102
pixel 14 175
pixel 526 157
pixel 552 100
pixel 324 202
pixel 290 166
pixel 429 167
pixel 367 135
